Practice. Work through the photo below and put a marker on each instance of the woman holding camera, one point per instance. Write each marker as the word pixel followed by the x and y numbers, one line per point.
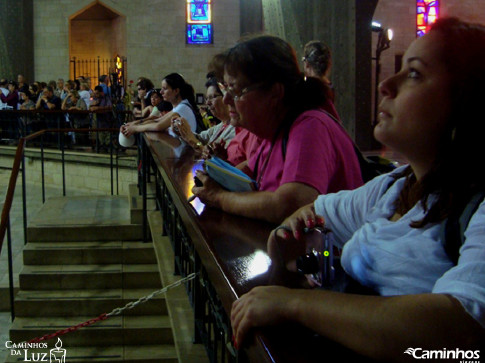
pixel 182 97
pixel 304 152
pixel 390 228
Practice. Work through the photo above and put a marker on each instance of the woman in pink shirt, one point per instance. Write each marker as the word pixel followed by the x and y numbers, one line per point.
pixel 304 152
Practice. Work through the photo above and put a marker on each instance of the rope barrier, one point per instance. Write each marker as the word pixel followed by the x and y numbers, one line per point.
pixel 114 312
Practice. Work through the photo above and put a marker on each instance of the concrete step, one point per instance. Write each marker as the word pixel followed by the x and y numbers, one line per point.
pixel 81 253
pixel 84 218
pixel 73 233
pixel 134 191
pixel 58 277
pixel 43 303
pixel 136 202
pixel 139 354
pixel 130 330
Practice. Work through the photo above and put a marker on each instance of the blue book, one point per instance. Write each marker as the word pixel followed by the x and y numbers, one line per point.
pixel 228 176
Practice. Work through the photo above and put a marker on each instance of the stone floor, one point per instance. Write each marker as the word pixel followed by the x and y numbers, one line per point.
pixel 34 203
pixel 88 212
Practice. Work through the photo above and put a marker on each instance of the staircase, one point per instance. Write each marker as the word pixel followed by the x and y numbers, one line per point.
pixel 84 258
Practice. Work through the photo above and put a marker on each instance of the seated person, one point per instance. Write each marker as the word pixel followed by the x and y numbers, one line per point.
pixel 28 103
pixel 159 107
pixel 304 152
pixel 77 103
pixel 317 62
pixel 145 89
pixel 390 228
pixel 12 96
pixel 47 100
pixel 84 93
pixel 216 137
pixel 182 97
pixel 104 116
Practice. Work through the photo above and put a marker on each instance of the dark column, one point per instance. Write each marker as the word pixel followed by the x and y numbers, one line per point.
pixel 251 16
pixel 345 26
pixel 16 39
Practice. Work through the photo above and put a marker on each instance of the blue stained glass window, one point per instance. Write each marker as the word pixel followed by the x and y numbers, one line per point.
pixel 199 33
pixel 199 22
pixel 199 12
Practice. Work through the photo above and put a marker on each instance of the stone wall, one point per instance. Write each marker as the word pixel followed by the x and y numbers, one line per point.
pixel 155 37
pixel 342 25
pixel 93 177
pixel 16 39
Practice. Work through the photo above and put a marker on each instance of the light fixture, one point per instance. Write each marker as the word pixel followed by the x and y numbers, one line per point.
pixel 384 38
pixel 376 27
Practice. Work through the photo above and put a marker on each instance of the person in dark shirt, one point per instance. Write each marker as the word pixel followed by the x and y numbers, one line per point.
pixel 103 117
pixel 48 101
pixel 12 99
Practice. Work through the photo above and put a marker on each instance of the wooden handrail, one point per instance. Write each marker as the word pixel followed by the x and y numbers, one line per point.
pixel 11 187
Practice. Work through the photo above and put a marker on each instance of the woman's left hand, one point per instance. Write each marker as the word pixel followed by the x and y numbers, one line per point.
pixel 210 192
pixel 262 306
pixel 184 129
pixel 129 129
pixel 219 149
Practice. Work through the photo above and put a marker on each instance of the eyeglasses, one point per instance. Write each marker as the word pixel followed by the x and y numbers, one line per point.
pixel 212 98
pixel 236 97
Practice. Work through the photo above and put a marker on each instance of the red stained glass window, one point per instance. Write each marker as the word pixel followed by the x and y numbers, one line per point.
pixel 427 11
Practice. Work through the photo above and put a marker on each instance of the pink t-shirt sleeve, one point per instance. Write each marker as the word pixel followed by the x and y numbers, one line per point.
pixel 318 153
pixel 242 146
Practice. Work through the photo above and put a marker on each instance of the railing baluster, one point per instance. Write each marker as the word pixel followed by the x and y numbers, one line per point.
pixel 42 166
pixel 24 197
pixel 10 270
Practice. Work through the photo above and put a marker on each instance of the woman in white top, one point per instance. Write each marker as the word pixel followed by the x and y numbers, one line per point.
pixel 84 93
pixel 431 112
pixel 182 97
pixel 218 136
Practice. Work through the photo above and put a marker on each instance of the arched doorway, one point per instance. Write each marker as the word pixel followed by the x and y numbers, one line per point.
pixel 97 34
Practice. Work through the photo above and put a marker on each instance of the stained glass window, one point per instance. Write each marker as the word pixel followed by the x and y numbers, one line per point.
pixel 427 11
pixel 199 22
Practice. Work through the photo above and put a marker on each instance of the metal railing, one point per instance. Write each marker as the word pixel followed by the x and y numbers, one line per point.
pixel 20 123
pixel 19 166
pixel 95 67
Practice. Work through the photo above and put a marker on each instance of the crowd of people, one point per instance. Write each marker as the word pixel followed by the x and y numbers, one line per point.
pixel 419 291
pixel 279 125
pixel 423 288
pixel 411 286
pixel 71 95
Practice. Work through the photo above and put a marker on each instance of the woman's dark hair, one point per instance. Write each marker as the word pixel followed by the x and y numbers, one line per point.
pixel 269 60
pixel 27 93
pixel 34 87
pixel 146 84
pixel 213 82
pixel 456 173
pixel 164 106
pixel 317 54
pixel 175 80
pixel 216 66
